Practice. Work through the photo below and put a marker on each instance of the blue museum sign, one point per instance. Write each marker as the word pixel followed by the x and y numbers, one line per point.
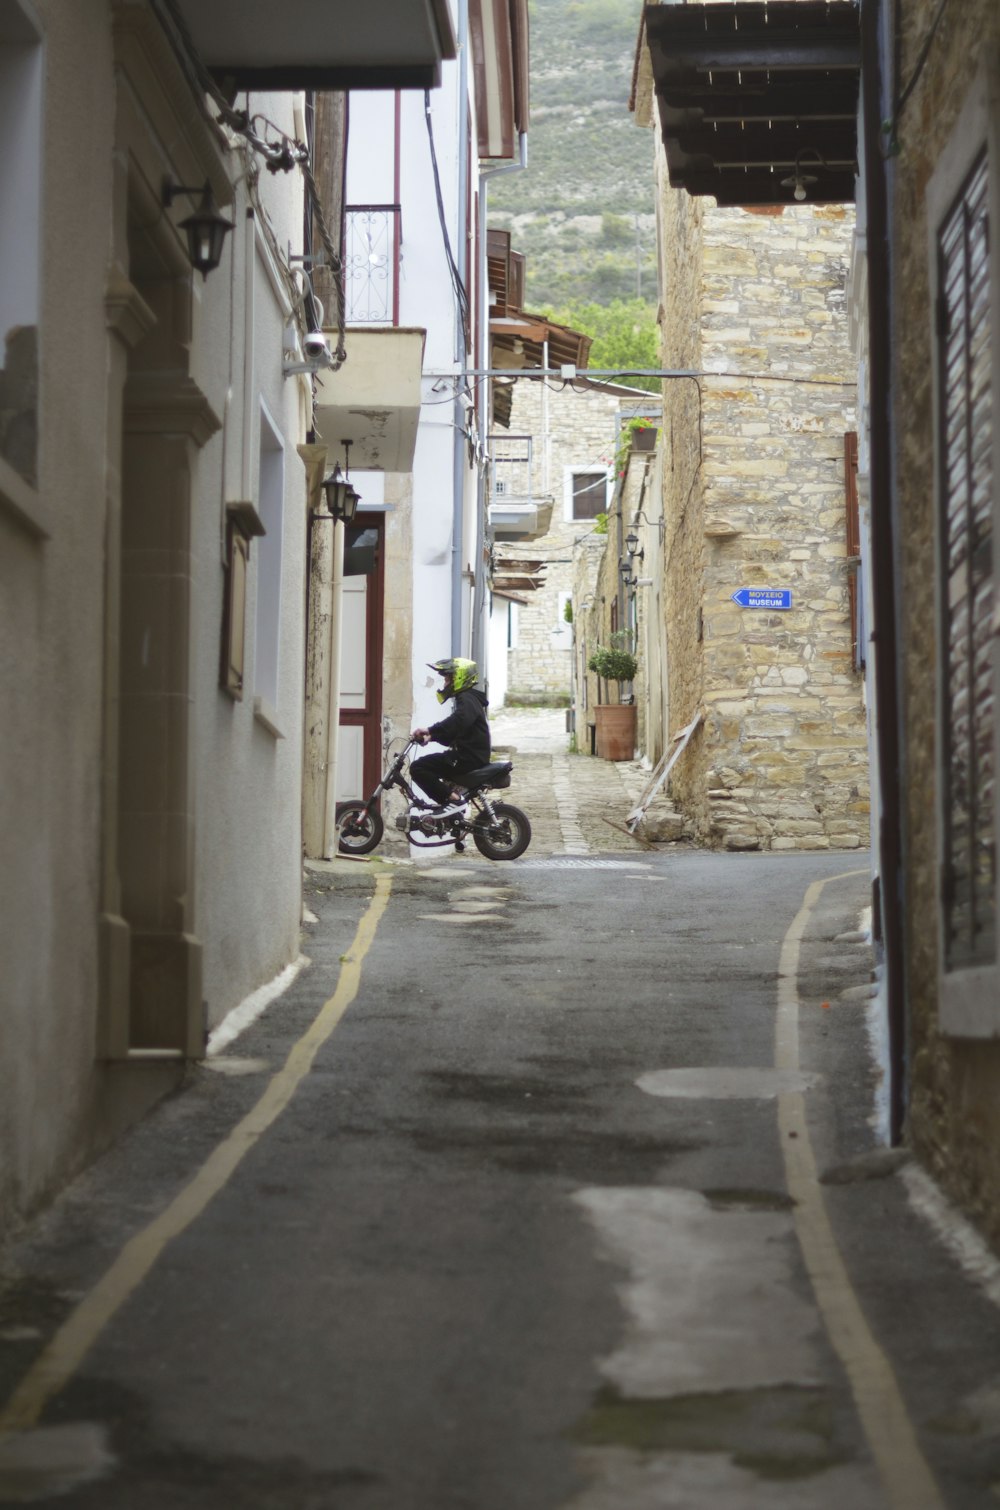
pixel 763 597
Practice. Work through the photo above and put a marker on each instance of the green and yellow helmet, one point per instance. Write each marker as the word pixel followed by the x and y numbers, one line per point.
pixel 459 675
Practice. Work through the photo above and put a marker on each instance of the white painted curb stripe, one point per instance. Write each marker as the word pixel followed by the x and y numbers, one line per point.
pixel 959 1236
pixel 250 1008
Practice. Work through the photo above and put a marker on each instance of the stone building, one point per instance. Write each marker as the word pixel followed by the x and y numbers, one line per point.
pixel 908 122
pixel 560 448
pixel 940 482
pixel 781 761
pixel 747 557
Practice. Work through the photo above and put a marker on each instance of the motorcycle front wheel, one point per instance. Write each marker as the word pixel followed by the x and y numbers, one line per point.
pixel 358 828
pixel 505 838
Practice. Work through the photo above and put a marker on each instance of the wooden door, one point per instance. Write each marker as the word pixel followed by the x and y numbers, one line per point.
pixel 360 756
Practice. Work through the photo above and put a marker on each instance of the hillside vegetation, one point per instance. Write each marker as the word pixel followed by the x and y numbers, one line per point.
pixel 582 212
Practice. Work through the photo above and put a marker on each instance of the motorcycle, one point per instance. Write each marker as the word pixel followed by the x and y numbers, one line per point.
pixel 499 830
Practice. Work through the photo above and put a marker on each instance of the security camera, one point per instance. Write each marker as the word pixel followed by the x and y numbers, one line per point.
pixel 316 344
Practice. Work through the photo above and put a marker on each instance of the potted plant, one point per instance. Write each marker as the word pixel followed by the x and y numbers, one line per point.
pixel 637 434
pixel 642 434
pixel 616 722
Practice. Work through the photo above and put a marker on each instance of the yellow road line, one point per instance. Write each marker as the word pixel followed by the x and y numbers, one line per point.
pixel 77 1335
pixel 906 1477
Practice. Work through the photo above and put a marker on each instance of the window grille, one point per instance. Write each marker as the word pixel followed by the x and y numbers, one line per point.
pixel 373 236
pixel 510 465
pixel 966 488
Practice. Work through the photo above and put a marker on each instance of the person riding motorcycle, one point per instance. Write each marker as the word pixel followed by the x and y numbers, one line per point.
pixel 466 730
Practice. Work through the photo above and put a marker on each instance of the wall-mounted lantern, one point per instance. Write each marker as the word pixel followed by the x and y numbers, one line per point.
pixel 206 228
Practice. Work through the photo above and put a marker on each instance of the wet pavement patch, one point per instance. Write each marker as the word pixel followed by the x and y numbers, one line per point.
pixel 52 1460
pixel 748 1200
pixel 778 1433
pixel 124 1463
pixel 616 1158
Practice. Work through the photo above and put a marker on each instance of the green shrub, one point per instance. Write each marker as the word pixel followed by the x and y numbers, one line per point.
pixel 613 664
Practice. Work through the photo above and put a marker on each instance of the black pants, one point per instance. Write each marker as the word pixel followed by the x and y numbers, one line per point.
pixel 438 774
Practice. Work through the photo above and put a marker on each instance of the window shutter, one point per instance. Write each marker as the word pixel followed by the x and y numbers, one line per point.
pixel 966 492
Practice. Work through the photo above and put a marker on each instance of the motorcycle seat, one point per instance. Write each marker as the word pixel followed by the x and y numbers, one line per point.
pixel 496 775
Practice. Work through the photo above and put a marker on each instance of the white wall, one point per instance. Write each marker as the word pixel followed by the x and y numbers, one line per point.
pixel 426 300
pixel 249 776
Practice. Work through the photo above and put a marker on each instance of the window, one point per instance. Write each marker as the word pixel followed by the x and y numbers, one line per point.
pixel 270 506
pixel 562 630
pixel 513 625
pixel 20 237
pixel 965 361
pixel 586 494
pixel 234 626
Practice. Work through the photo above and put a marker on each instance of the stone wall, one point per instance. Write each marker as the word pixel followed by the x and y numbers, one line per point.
pixel 573 429
pixel 754 497
pixel 954 1090
pixel 603 606
pixel 683 482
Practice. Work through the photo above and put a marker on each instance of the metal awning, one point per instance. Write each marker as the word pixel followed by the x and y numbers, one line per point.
pixel 757 99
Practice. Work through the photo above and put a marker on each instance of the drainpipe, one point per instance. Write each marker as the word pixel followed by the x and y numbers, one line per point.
pixel 333 694
pixel 249 280
pixel 461 356
pixel 885 563
pixel 546 427
pixel 483 392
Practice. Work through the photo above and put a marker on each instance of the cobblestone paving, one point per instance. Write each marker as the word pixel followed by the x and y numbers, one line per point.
pixel 573 801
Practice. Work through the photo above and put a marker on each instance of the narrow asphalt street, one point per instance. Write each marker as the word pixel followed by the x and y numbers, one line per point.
pixel 549 1185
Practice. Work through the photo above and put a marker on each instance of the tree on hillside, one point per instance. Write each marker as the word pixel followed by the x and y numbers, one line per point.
pixel 624 334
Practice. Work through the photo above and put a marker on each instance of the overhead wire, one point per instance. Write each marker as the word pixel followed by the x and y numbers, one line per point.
pixel 461 293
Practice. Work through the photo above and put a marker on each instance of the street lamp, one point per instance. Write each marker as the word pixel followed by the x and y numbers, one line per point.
pixel 632 546
pixel 206 228
pixel 341 496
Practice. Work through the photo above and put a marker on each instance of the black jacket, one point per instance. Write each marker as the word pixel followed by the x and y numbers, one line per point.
pixel 466 729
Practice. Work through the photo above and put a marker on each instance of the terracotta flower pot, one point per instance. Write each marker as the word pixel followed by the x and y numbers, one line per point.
pixel 616 726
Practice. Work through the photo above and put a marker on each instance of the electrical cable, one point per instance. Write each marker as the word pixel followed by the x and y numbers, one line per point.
pixel 918 68
pixel 922 57
pixel 279 156
pixel 456 277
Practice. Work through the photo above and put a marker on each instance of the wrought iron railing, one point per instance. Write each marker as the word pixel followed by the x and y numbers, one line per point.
pixel 510 467
pixel 371 263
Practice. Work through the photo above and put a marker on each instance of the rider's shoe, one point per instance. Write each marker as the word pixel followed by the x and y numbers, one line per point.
pixel 451 810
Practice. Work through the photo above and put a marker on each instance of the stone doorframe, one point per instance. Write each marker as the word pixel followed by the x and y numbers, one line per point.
pixel 158 419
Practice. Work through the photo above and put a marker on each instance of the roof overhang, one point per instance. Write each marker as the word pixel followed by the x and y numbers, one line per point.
pixel 373 401
pixel 521 341
pixel 753 96
pixel 322 44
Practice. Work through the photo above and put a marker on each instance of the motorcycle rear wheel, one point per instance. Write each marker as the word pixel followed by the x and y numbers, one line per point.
pixel 507 837
pixel 359 829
